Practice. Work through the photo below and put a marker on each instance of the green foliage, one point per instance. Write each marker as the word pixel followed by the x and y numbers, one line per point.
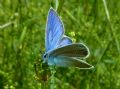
pixel 3 80
pixel 92 22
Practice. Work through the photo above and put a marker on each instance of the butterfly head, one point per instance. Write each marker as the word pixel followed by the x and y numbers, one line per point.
pixel 45 57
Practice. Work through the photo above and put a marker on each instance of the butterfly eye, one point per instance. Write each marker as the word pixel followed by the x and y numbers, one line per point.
pixel 45 56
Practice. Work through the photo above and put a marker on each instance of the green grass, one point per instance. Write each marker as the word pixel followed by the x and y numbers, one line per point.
pixel 92 22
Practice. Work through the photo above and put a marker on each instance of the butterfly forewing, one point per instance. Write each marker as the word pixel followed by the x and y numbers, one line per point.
pixel 72 50
pixel 54 30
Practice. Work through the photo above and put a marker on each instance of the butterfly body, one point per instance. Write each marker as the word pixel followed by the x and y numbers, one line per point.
pixel 60 50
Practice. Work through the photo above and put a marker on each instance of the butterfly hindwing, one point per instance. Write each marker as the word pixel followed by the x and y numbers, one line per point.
pixel 64 61
pixel 65 40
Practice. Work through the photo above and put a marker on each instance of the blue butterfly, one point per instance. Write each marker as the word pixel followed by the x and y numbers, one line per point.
pixel 60 50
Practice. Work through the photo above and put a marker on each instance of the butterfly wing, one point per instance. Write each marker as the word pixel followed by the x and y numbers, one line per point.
pixel 54 30
pixel 72 50
pixel 65 40
pixel 66 56
pixel 64 61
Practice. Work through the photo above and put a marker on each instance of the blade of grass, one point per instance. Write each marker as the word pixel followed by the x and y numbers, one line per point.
pixel 70 15
pixel 52 82
pixel 111 26
pixel 61 3
pixel 6 25
pixel 56 4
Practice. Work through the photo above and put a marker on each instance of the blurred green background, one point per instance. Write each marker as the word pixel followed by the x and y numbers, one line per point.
pixel 92 22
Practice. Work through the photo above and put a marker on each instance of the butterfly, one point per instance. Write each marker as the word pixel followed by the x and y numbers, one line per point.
pixel 60 50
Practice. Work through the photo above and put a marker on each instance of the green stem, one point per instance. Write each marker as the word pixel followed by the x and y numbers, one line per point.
pixel 52 81
pixel 56 4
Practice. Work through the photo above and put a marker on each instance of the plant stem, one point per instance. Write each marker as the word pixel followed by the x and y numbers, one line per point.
pixel 56 4
pixel 52 79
